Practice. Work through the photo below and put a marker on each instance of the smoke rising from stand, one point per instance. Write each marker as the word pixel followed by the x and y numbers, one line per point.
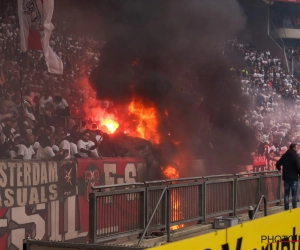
pixel 169 53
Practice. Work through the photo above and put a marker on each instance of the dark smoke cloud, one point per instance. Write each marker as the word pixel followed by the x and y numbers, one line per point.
pixel 154 48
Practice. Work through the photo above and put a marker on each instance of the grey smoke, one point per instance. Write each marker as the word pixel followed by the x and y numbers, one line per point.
pixel 173 43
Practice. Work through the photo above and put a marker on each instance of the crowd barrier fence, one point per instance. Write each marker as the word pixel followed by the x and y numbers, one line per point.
pixel 143 208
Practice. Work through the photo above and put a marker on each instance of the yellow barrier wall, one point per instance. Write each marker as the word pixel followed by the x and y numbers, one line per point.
pixel 275 232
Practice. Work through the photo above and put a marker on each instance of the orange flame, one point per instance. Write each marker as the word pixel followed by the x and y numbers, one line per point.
pixel 146 121
pixel 171 172
pixel 110 124
pixel 93 110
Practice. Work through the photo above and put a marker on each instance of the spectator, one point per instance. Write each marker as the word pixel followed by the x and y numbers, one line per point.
pixel 61 107
pixel 25 150
pixel 45 151
pixel 87 148
pixel 44 108
pixel 290 174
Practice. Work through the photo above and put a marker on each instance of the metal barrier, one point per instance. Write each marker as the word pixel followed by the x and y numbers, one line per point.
pixel 142 208
pixel 219 196
pixel 254 185
pixel 262 198
pixel 116 212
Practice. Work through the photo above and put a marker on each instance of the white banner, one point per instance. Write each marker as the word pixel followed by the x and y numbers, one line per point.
pixel 36 28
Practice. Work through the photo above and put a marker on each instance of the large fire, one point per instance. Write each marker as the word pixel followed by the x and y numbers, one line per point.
pixel 146 121
pixel 141 120
pixel 102 120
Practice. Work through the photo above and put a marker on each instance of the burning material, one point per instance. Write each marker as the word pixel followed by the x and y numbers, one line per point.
pixel 172 71
pixel 172 173
pixel 100 119
pixel 97 116
pixel 140 121
pixel 145 119
pixel 110 124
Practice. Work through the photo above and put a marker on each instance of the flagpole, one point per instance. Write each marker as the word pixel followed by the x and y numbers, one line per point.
pixel 22 55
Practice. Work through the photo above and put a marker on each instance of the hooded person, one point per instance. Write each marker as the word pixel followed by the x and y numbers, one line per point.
pixel 290 161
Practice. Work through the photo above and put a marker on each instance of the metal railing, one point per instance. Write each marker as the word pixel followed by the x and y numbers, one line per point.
pixel 126 210
pixel 262 198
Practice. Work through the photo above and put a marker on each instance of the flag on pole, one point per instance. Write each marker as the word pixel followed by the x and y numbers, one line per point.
pixel 36 28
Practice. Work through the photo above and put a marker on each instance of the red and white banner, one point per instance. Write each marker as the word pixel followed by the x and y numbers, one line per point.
pixel 36 28
pixel 105 172
pixel 259 160
pixel 39 199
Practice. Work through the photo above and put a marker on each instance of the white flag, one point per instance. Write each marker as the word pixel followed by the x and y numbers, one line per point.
pixel 36 28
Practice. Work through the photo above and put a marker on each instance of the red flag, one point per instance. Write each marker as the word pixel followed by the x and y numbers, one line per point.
pixel 36 28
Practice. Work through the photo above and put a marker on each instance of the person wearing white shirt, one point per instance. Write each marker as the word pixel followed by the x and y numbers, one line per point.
pixel 257 75
pixel 25 152
pixel 61 106
pixel 61 110
pixel 46 152
pixel 44 112
pixel 22 149
pixel 64 144
pixel 14 149
pixel 45 101
pixel 87 148
pixel 74 150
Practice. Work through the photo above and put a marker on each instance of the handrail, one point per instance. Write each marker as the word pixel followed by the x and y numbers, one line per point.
pixel 248 173
pixel 117 185
pixel 155 182
pixel 218 176
pixel 270 171
pixel 147 183
pixel 186 179
pixel 258 205
pixel 152 215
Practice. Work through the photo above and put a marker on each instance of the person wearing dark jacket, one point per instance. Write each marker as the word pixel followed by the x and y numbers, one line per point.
pixel 290 174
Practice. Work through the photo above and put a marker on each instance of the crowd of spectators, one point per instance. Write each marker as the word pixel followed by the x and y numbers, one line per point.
pixel 292 22
pixel 274 99
pixel 285 20
pixel 32 101
pixel 293 53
